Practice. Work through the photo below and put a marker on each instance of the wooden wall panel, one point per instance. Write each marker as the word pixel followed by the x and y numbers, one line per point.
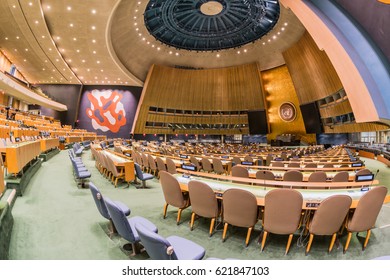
pixel 236 88
pixel 336 109
pixel 356 127
pixel 278 88
pixel 313 74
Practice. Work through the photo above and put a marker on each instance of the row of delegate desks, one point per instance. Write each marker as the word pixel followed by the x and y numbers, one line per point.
pixel 311 197
pixel 18 155
pixel 281 184
pixel 121 161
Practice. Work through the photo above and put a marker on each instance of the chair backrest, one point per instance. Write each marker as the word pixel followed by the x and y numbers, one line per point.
pixel 239 208
pixel 112 167
pixel 342 176
pixel 311 165
pixel 282 211
pixel 171 190
pixel 248 158
pixel 294 164
pixel 265 175
pixel 236 160
pixel 206 164
pixel 171 167
pixel 318 176
pixel 195 162
pixel 293 176
pixel 330 215
pixel 328 165
pixel 277 164
pixel 218 166
pixel 160 164
pixel 99 201
pixel 145 161
pixel 155 245
pixel 203 200
pixel 367 209
pixel 268 159
pixel 152 163
pixel 239 171
pixel 364 171
pixel 138 171
pixel 120 221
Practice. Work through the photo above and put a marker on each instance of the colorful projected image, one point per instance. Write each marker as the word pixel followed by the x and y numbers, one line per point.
pixel 106 111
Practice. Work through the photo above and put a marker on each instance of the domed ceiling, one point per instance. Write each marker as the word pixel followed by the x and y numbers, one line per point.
pixel 205 25
pixel 200 33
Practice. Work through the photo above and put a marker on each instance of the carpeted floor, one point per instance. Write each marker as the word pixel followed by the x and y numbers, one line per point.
pixel 57 220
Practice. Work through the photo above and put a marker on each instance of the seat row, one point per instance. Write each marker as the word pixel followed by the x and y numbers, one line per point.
pixel 80 171
pixel 77 149
pixel 282 212
pixel 138 230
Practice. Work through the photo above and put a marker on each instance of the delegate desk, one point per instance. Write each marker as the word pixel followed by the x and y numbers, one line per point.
pixel 49 144
pixel 19 155
pixel 311 198
pixel 282 184
pixel 122 162
pixel 303 169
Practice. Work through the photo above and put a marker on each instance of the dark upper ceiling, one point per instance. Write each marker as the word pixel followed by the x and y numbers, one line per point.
pixel 107 42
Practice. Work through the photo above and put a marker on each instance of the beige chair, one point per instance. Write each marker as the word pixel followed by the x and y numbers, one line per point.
pixel 277 164
pixel 293 176
pixel 203 203
pixel 311 165
pixel 328 218
pixel 268 160
pixel 328 165
pixel 239 171
pixel 171 166
pixel 236 160
pixel 282 214
pixel 145 162
pixel 239 209
pixel 265 175
pixel 218 166
pixel 342 176
pixel 318 176
pixel 294 164
pixel 365 215
pixel 206 165
pixel 195 162
pixel 173 194
pixel 160 165
pixel 152 165
pixel 248 158
pixel 115 173
pixel 364 171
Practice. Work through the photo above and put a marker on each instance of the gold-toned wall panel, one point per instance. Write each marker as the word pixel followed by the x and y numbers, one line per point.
pixel 278 88
pixel 227 89
pixel 356 127
pixel 338 109
pixel 313 74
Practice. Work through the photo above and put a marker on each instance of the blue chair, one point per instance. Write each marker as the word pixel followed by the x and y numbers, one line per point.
pixel 171 248
pixel 142 176
pixel 102 208
pixel 126 226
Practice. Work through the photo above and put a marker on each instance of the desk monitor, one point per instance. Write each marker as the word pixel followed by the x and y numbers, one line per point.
pixel 246 163
pixel 357 164
pixel 363 178
pixel 17 139
pixel 224 156
pixel 183 156
pixel 278 159
pixel 189 167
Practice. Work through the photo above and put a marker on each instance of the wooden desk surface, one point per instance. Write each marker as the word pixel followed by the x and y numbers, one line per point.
pixel 122 161
pixel 276 168
pixel 309 196
pixel 19 155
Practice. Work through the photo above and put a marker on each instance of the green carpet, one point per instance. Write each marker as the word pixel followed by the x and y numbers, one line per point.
pixel 55 219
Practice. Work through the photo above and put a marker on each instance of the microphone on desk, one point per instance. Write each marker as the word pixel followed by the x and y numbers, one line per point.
pixel 372 182
pixel 264 179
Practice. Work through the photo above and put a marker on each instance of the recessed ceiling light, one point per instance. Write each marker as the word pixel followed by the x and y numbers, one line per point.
pixel 26 50
pixel 218 55
pixel 238 52
pixel 158 48
pixel 69 8
pixel 58 37
pixel 14 6
pixel 54 70
pixel 83 60
pixel 274 37
pixel 94 52
pixel 48 7
pixel 135 23
pixel 30 3
pixel 93 11
pixel 43 69
pixel 57 59
pixel 6 38
pixel 269 40
pixel 69 60
pixel 93 27
pixel 36 22
pixel 282 29
pixel 46 60
pixel 170 52
pixel 24 60
pixel 71 24
pixel 78 51
pixel 93 41
pixel 152 46
pixel 88 69
pixel 177 54
pixel 101 70
pixel 285 24
pixel 263 43
pixel 74 39
pixel 98 62
pixel 43 36
pixel 17 37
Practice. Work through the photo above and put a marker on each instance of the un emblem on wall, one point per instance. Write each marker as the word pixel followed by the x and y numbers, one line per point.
pixel 287 112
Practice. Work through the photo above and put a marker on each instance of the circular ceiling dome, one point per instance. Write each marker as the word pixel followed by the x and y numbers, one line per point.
pixel 210 25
